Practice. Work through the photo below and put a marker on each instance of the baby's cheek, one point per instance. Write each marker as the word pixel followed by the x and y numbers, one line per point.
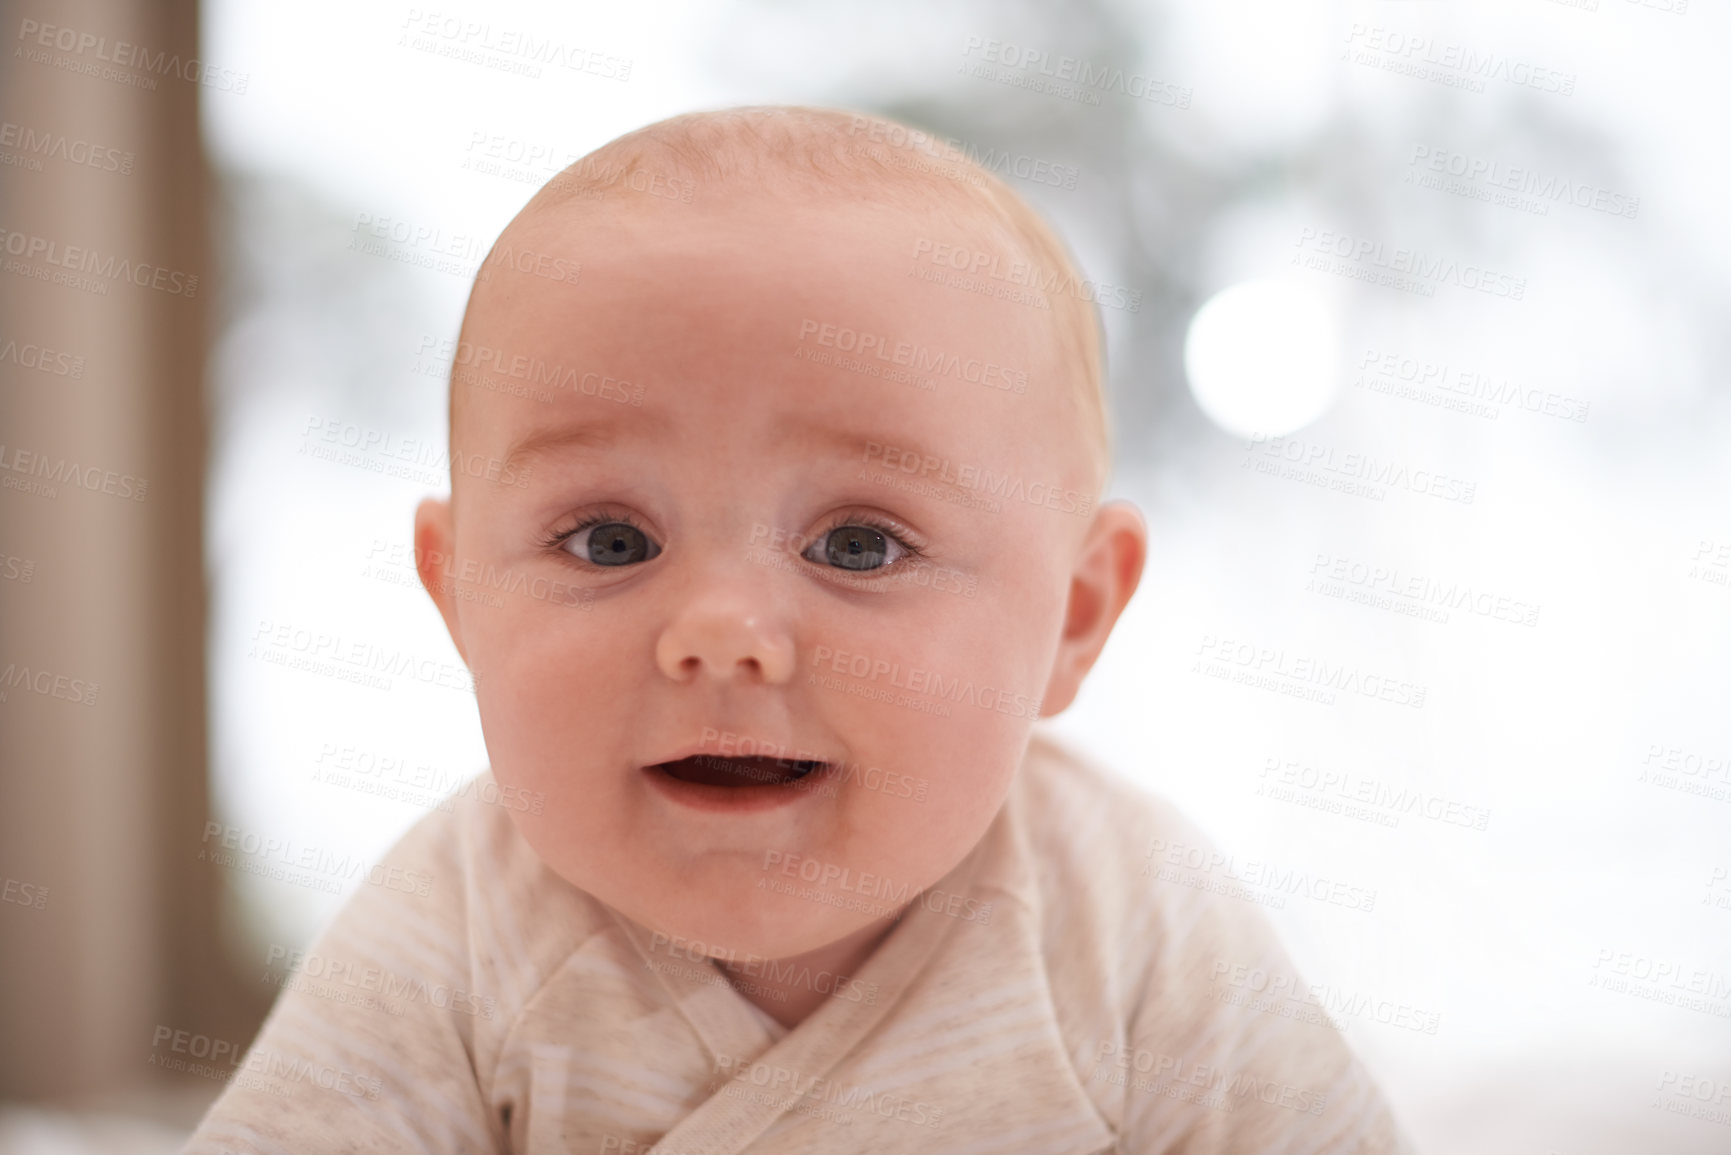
pixel 547 694
pixel 919 823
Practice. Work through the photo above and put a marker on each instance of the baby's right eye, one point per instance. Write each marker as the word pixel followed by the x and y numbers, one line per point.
pixel 610 543
pixel 856 547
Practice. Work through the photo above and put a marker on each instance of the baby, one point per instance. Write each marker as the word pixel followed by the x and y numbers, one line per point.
pixel 777 440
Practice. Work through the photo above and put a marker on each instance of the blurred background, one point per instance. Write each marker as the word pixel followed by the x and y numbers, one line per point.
pixel 1418 373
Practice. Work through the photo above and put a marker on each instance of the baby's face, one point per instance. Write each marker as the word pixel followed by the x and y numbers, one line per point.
pixel 797 544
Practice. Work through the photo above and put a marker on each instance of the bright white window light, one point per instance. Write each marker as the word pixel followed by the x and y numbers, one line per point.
pixel 1264 356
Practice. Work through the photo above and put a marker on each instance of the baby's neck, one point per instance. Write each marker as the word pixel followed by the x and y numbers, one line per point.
pixel 789 992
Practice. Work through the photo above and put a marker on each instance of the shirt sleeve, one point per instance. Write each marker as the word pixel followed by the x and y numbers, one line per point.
pixel 371 1044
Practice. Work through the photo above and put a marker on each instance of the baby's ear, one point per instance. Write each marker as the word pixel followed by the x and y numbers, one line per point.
pixel 1108 568
pixel 435 556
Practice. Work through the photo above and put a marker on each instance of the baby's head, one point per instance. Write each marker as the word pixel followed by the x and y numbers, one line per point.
pixel 778 441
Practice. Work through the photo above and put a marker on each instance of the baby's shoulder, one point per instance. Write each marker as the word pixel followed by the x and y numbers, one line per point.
pixel 1139 918
pixel 479 884
pixel 496 862
pixel 1084 822
pixel 1098 844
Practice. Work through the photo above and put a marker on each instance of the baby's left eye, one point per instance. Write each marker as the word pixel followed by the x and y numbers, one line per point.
pixel 855 547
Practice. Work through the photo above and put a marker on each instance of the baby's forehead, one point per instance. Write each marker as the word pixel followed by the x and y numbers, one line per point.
pixel 849 290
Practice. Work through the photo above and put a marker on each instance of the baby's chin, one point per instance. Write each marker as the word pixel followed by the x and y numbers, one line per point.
pixel 736 919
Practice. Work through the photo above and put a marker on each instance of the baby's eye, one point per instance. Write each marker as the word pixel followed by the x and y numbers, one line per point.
pixel 611 543
pixel 855 547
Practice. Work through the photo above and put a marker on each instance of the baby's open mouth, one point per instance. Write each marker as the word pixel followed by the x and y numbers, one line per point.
pixel 715 770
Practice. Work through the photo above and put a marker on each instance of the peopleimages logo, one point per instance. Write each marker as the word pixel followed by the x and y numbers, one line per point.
pixel 1302 676
pixel 476 364
pixel 47 683
pixel 1453 65
pixel 23 893
pixel 30 247
pixel 314 859
pixel 924 152
pixel 1413 594
pixel 421 459
pixel 44 360
pixel 362 662
pixel 1519 179
pixel 1070 77
pixel 1352 473
pixel 56 471
pixel 919 358
pixel 388 984
pixel 516 50
pixel 1464 389
pixel 891 894
pixel 1367 259
pixel 1379 799
pixel 785 972
pixel 37 36
pixel 985 269
pixel 1320 1004
pixel 782 1083
pixel 977 479
pixel 36 144
pixel 1226 1090
pixel 920 681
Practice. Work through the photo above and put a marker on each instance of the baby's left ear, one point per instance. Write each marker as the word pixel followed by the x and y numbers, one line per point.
pixel 1107 571
pixel 435 541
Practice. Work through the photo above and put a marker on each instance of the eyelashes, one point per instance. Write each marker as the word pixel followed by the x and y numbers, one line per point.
pixel 898 534
pixel 558 538
pixel 901 545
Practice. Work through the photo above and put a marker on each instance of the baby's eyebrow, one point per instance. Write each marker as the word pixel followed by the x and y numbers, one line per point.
pixel 602 433
pixel 862 447
pixel 592 433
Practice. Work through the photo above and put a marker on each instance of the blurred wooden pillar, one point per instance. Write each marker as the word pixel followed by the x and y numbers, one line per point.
pixel 103 803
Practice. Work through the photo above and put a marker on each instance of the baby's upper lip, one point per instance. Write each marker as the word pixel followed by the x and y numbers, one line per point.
pixel 755 748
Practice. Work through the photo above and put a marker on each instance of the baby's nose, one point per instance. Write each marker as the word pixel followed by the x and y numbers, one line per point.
pixel 726 638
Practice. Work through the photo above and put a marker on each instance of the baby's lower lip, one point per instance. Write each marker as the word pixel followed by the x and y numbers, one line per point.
pixel 710 782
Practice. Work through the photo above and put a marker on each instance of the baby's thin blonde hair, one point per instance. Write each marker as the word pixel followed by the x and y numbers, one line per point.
pixel 830 151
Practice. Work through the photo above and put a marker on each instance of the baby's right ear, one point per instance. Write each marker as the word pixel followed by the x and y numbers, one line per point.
pixel 435 551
